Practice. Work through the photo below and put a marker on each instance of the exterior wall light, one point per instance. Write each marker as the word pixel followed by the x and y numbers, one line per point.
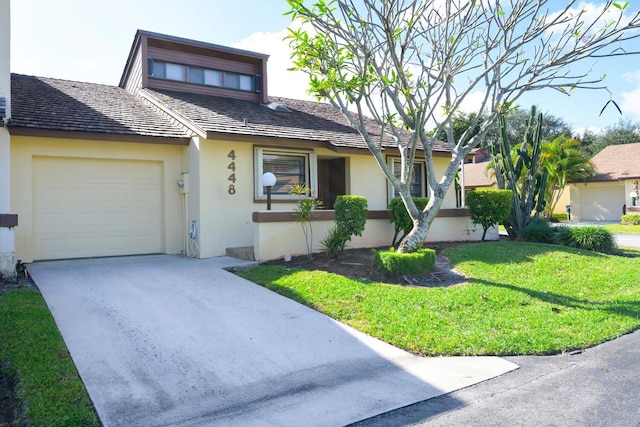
pixel 268 181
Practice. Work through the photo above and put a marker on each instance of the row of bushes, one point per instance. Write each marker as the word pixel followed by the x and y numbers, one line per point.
pixel 588 237
pixel 631 219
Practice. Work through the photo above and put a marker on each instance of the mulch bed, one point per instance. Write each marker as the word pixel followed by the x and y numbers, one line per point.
pixel 358 264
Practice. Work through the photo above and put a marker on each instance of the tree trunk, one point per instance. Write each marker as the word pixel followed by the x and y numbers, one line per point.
pixel 416 237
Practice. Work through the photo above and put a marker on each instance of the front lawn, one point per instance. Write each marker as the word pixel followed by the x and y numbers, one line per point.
pixel 47 387
pixel 622 229
pixel 521 298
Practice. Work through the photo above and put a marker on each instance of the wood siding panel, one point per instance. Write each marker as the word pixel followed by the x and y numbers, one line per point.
pixel 204 61
pixel 134 79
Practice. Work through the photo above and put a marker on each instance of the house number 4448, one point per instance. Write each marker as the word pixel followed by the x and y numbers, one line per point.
pixel 232 168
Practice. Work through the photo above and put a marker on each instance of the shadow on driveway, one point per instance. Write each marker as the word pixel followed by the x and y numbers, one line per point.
pixel 163 340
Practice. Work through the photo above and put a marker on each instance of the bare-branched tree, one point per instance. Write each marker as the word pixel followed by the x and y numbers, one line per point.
pixel 410 65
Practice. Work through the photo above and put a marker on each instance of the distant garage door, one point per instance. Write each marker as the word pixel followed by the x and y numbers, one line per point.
pixel 96 207
pixel 602 201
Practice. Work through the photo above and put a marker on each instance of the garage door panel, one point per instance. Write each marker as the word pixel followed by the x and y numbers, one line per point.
pixel 602 202
pixel 96 207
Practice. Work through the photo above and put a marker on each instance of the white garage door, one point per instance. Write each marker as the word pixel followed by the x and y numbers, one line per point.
pixel 602 201
pixel 96 207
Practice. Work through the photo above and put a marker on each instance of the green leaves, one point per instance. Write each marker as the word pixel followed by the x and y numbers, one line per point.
pixel 621 6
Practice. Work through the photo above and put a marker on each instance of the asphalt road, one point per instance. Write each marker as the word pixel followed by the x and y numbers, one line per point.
pixel 595 387
pixel 627 239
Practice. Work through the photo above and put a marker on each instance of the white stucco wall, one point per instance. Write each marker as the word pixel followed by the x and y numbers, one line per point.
pixel 24 149
pixel 7 236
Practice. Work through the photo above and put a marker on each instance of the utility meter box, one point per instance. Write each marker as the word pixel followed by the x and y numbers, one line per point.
pixel 184 183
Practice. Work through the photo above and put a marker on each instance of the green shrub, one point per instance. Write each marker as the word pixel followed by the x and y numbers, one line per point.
pixel 631 219
pixel 560 216
pixel 351 214
pixel 400 217
pixel 489 207
pixel 590 238
pixel 391 261
pixel 538 231
pixel 334 243
pixel 351 218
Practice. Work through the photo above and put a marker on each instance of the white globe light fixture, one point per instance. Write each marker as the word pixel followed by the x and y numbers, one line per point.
pixel 268 181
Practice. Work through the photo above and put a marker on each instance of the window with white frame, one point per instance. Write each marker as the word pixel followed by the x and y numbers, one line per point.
pixel 291 167
pixel 418 181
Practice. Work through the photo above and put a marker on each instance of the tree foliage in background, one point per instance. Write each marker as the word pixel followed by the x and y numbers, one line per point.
pixel 407 64
pixel 517 168
pixel 625 131
pixel 564 162
pixel 552 127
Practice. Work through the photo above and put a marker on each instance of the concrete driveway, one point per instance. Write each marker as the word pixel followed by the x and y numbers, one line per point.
pixel 169 341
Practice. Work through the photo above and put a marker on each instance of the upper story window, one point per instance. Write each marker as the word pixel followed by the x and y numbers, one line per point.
pixel 203 76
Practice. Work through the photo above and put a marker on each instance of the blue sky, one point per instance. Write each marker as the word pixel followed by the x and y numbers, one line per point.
pixel 90 40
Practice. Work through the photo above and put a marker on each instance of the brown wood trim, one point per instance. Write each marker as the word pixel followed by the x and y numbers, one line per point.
pixel 633 209
pixel 272 142
pixel 328 215
pixel 453 213
pixel 8 220
pixel 96 136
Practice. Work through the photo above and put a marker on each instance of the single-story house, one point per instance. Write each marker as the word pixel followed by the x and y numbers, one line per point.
pixel 171 161
pixel 610 194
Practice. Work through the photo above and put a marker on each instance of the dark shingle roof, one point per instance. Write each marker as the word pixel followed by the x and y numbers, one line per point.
pixel 308 120
pixel 53 104
pixel 616 162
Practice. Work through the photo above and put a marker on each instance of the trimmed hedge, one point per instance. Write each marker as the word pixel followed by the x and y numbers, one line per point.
pixel 351 214
pixel 394 262
pixel 351 218
pixel 631 219
pixel 489 207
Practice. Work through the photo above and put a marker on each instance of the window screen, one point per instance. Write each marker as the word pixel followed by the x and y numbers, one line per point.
pixel 289 170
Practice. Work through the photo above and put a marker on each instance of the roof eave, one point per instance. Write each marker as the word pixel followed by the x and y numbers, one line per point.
pixel 96 136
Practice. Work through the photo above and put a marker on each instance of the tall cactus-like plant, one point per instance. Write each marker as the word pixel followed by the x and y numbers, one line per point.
pixel 517 169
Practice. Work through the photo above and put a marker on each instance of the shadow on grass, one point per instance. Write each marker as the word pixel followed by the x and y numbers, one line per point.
pixel 623 308
pixel 506 252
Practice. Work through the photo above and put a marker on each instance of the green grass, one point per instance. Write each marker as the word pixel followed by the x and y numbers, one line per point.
pixel 49 390
pixel 622 229
pixel 522 298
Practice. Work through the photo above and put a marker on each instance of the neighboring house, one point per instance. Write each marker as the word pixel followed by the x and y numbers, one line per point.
pixel 477 174
pixel 609 195
pixel 171 161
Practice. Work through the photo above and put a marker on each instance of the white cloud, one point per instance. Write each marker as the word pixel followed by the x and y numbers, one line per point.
pixel 472 102
pixel 631 103
pixel 591 14
pixel 281 81
pixel 579 132
pixel 633 77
